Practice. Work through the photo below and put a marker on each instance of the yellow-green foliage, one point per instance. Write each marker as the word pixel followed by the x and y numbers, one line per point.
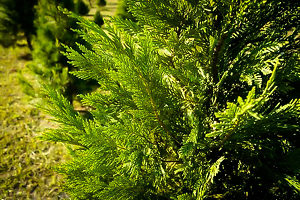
pixel 197 100
pixel 25 161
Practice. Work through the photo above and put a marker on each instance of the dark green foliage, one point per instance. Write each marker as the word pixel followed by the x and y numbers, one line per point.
pixel 16 16
pixel 98 19
pixel 193 103
pixel 81 8
pixel 68 4
pixel 101 2
pixel 48 65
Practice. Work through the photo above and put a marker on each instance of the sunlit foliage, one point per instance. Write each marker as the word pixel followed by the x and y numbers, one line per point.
pixel 196 100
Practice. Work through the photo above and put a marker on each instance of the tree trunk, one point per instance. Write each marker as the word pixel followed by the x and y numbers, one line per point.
pixel 28 39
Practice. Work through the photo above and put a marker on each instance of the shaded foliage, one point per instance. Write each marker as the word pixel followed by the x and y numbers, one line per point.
pixel 48 66
pixel 98 19
pixel 81 8
pixel 122 10
pixel 101 2
pixel 16 16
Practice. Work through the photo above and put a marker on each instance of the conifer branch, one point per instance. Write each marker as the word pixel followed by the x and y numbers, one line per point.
pixel 215 59
pixel 154 108
pixel 158 118
pixel 142 136
pixel 174 161
pixel 228 135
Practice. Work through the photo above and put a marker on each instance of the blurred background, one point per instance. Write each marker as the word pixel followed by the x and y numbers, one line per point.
pixel 32 35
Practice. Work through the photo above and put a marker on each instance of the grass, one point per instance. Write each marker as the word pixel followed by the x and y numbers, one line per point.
pixel 25 161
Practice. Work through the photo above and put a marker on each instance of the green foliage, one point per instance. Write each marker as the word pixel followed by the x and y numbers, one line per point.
pixel 192 103
pixel 81 8
pixel 48 65
pixel 16 16
pixel 68 4
pixel 122 10
pixel 294 182
pixel 98 19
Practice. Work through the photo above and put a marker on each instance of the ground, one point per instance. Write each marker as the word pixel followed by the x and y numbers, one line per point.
pixel 26 162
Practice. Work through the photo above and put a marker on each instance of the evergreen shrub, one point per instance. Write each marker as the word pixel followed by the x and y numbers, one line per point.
pixel 81 8
pixel 122 10
pixel 48 65
pixel 16 16
pixel 197 100
pixel 98 19
pixel 101 2
pixel 68 4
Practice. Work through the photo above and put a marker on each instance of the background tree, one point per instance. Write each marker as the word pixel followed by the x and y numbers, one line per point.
pixel 193 103
pixel 98 19
pixel 16 16
pixel 101 2
pixel 122 10
pixel 81 8
pixel 68 4
pixel 48 65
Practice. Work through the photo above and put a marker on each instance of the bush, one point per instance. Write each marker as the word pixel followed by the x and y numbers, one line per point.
pixel 192 103
pixel 122 10
pixel 98 19
pixel 81 8
pixel 16 16
pixel 68 4
pixel 48 65
pixel 101 2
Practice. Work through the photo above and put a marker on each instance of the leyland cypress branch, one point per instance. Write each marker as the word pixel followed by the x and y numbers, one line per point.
pixel 184 158
pixel 173 161
pixel 215 59
pixel 154 108
pixel 158 118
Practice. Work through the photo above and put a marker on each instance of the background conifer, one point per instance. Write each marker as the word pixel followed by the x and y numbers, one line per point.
pixel 98 19
pixel 122 10
pixel 81 8
pixel 101 2
pixel 16 16
pixel 48 65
